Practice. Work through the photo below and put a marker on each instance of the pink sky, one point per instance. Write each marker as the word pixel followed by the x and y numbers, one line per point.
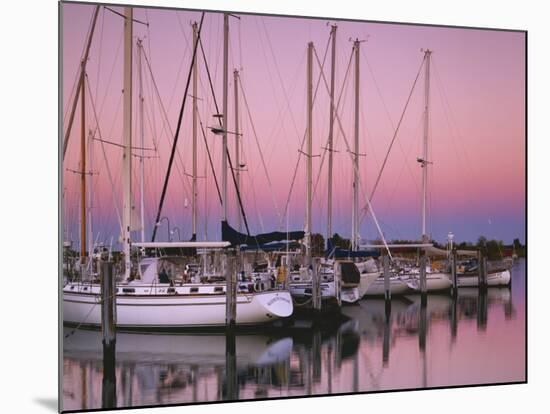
pixel 477 183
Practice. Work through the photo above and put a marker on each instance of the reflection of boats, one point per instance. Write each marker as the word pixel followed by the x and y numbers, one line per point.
pixel 147 303
pixel 209 349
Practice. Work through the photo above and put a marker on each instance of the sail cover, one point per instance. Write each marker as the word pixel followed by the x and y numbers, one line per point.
pixel 339 253
pixel 236 238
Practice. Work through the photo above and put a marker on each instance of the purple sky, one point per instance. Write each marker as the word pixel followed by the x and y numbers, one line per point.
pixel 477 133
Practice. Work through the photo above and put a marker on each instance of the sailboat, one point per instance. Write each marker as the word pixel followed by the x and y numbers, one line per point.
pixel 435 280
pixel 165 292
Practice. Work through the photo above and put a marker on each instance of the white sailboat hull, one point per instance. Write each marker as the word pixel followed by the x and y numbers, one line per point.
pixel 493 279
pixel 366 281
pixel 398 286
pixel 177 311
pixel 434 282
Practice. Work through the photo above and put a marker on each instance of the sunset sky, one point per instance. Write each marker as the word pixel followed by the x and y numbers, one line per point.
pixel 477 123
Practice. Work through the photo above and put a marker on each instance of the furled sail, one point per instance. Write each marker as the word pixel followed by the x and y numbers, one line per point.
pixel 339 253
pixel 236 238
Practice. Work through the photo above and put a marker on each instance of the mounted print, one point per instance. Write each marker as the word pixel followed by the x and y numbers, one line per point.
pixel 262 207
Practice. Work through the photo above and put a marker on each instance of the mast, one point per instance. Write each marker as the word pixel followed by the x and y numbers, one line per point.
pixel 331 131
pixel 127 141
pixel 309 149
pixel 80 86
pixel 355 204
pixel 82 176
pixel 424 161
pixel 90 191
pixel 142 141
pixel 195 191
pixel 237 138
pixel 224 117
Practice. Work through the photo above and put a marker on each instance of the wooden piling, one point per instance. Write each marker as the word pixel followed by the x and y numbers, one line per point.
pixel 386 339
pixel 423 284
pixel 482 270
pixel 108 304
pixel 387 289
pixel 230 291
pixel 453 273
pixel 108 330
pixel 484 273
pixel 316 285
pixel 231 382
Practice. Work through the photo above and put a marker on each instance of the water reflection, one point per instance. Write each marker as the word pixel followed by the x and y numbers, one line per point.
pixel 477 337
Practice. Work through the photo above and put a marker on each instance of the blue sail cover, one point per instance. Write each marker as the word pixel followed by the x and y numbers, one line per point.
pixel 236 238
pixel 272 247
pixel 339 253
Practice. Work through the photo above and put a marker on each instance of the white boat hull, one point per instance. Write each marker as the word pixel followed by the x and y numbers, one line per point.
pixel 434 282
pixel 177 311
pixel 367 279
pixel 493 279
pixel 398 286
pixel 350 295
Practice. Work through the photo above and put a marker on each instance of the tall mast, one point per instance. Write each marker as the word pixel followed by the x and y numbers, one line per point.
pixel 224 117
pixel 80 85
pixel 82 176
pixel 195 191
pixel 90 190
pixel 237 138
pixel 355 204
pixel 127 140
pixel 331 131
pixel 309 149
pixel 424 161
pixel 142 141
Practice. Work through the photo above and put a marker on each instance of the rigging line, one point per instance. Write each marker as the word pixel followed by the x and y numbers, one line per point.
pixel 170 162
pixel 104 155
pixel 350 153
pixel 124 17
pixel 336 109
pixel 279 74
pixel 166 124
pixel 450 117
pixel 99 54
pixel 81 82
pixel 78 72
pixel 237 191
pixel 260 151
pixel 300 151
pixel 210 158
pixel 395 134
pixel 389 118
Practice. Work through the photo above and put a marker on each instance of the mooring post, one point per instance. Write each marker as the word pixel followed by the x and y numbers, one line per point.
pixel 387 290
pixel 387 338
pixel 423 284
pixel 316 284
pixel 316 355
pixel 484 274
pixel 453 273
pixel 482 310
pixel 230 291
pixel 231 383
pixel 108 330
pixel 482 270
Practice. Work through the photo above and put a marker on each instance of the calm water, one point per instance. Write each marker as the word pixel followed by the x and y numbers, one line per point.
pixel 474 339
